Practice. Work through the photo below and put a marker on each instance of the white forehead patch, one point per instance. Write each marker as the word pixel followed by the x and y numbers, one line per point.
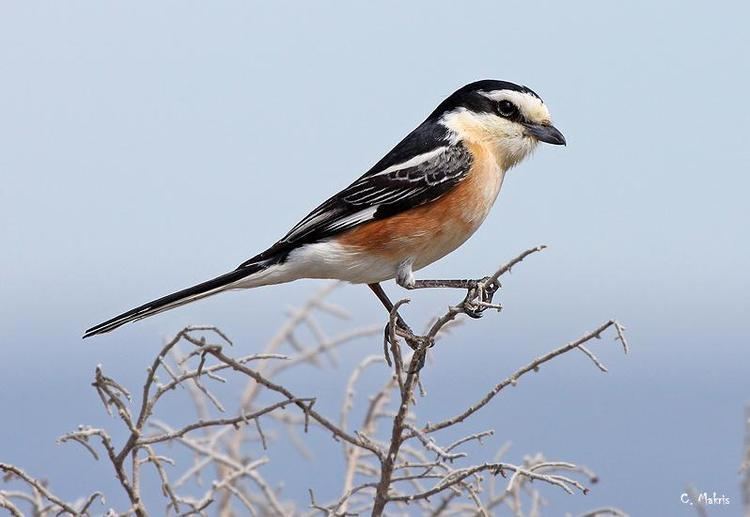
pixel 531 106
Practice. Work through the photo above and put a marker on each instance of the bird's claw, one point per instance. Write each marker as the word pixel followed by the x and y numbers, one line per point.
pixel 395 329
pixel 419 344
pixel 413 340
pixel 479 297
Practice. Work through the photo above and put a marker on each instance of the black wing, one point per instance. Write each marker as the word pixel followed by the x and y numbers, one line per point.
pixel 403 179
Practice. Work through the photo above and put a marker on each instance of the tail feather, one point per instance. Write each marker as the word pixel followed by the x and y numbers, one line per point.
pixel 170 301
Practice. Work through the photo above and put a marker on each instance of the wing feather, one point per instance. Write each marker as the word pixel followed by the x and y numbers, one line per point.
pixel 383 193
pixel 421 168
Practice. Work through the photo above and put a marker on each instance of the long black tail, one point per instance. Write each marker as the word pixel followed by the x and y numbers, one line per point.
pixel 170 301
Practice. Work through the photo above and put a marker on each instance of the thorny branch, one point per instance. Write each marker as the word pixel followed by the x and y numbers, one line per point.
pixel 390 457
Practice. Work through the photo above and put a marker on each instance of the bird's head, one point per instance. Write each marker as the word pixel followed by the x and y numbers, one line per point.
pixel 511 118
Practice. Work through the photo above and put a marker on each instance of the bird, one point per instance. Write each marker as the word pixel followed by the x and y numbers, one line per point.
pixel 420 202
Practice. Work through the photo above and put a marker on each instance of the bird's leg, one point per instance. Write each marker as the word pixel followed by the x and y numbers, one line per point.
pixel 401 327
pixel 378 290
pixel 478 298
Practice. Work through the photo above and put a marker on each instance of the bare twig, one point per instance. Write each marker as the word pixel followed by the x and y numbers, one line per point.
pixel 37 485
pixel 513 379
pixel 390 459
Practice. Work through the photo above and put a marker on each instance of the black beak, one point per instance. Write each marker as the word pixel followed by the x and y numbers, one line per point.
pixel 545 133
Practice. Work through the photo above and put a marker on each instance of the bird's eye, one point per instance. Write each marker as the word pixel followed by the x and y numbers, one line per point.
pixel 506 109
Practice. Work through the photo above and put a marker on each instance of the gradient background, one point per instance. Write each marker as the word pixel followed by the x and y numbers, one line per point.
pixel 145 147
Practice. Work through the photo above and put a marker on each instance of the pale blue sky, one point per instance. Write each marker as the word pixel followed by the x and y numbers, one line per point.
pixel 146 147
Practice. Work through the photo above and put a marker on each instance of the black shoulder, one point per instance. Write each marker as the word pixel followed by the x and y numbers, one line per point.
pixel 427 137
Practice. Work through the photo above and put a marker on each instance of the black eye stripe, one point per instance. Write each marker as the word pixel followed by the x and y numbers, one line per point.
pixel 507 109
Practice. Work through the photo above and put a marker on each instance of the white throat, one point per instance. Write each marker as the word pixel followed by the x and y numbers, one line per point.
pixel 504 138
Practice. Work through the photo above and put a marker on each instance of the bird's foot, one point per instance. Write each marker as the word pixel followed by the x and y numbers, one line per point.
pixel 419 344
pixel 402 330
pixel 479 297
